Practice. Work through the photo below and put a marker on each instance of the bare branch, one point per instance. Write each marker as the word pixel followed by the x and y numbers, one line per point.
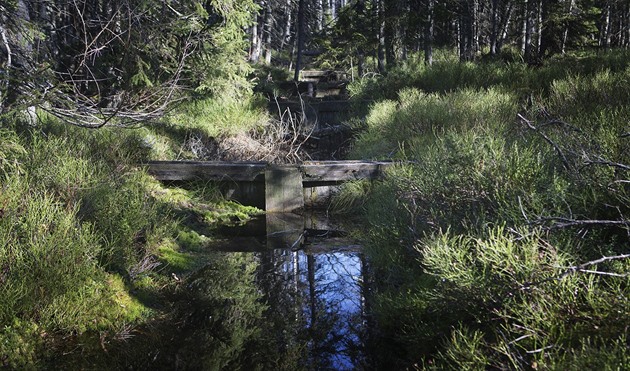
pixel 539 350
pixel 600 260
pixel 602 161
pixel 548 140
pixel 604 273
pixel 582 268
pixel 565 222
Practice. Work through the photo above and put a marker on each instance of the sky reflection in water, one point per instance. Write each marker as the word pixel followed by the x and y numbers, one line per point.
pixel 316 294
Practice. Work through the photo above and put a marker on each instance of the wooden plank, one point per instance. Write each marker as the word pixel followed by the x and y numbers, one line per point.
pixel 324 172
pixel 326 75
pixel 207 170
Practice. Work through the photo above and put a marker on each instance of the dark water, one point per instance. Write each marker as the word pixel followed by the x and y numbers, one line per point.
pixel 285 292
pixel 311 277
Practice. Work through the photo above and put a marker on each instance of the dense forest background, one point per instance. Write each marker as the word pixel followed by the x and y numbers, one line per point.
pixel 90 61
pixel 500 240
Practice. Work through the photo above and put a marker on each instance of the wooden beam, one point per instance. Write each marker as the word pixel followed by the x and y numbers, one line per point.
pixel 331 172
pixel 208 170
pixel 313 172
pixel 283 189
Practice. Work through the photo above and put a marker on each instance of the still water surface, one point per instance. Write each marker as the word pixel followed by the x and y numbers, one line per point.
pixel 285 292
pixel 312 277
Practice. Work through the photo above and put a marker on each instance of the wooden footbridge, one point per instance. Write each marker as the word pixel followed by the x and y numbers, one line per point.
pixel 276 188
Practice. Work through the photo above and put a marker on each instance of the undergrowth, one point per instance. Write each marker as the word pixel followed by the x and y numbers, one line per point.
pixel 88 240
pixel 487 240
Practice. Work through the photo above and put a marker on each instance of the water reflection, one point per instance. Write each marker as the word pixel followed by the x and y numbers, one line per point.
pixel 312 285
pixel 283 293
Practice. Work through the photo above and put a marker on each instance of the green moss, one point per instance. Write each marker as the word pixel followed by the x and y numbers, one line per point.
pixel 174 260
pixel 19 343
pixel 228 212
pixel 192 240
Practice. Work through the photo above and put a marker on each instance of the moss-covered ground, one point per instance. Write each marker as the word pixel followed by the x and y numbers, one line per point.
pixel 91 247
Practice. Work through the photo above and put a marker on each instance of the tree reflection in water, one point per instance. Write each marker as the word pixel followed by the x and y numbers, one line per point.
pixel 315 298
pixel 257 304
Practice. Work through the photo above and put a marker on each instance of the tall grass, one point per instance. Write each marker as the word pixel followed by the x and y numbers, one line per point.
pixel 77 221
pixel 448 75
pixel 217 117
pixel 466 238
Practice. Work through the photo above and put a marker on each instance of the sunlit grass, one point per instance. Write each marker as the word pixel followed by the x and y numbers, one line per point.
pixel 88 238
pixel 470 211
pixel 220 117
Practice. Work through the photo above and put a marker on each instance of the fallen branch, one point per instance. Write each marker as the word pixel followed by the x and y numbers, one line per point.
pixel 565 222
pixel 529 124
pixel 607 163
pixel 582 269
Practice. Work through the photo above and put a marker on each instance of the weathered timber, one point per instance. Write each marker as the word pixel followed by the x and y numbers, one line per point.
pixel 283 189
pixel 312 171
pixel 277 188
pixel 314 89
pixel 335 172
pixel 328 75
pixel 208 170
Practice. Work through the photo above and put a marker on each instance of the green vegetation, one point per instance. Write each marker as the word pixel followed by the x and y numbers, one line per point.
pixel 220 117
pixel 514 179
pixel 89 240
pixel 499 241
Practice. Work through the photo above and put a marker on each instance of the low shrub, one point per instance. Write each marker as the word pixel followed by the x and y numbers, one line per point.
pixel 512 178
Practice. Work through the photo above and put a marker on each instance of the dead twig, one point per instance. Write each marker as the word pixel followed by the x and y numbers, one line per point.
pixel 530 125
pixel 582 268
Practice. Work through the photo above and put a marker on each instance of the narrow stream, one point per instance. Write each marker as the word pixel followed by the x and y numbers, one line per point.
pixel 312 279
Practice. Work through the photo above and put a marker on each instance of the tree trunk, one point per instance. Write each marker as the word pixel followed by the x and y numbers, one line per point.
pixel 319 16
pixel 286 35
pixel 565 35
pixel 474 13
pixel 494 27
pixel 525 20
pixel 428 33
pixel 466 30
pixel 390 32
pixel 301 31
pixel 604 41
pixel 254 49
pixel 326 11
pixel 380 53
pixel 528 29
pixel 8 65
pixel 505 26
pixel 546 34
pixel 539 26
pixel 268 30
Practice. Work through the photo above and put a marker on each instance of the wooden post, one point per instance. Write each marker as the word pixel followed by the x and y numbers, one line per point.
pixel 283 189
pixel 284 231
